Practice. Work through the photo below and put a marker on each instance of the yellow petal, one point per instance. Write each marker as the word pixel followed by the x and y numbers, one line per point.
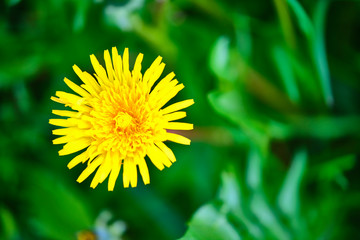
pixel 117 62
pixel 64 113
pixel 63 139
pixel 116 165
pixel 71 122
pixel 78 159
pixel 90 169
pixel 137 67
pixel 82 124
pixel 102 172
pixel 92 86
pixel 172 93
pixel 76 88
pixel 63 131
pixel 93 152
pixel 130 173
pixel 155 159
pixel 58 100
pixel 95 180
pixel 108 64
pixel 100 71
pixel 107 167
pixel 174 116
pixel 178 106
pixel 163 83
pixel 69 97
pixel 157 73
pixel 169 153
pixel 62 122
pixel 72 131
pixel 179 126
pixel 178 138
pixel 144 171
pixel 159 156
pixel 149 72
pixel 75 146
pixel 126 70
pixel 158 95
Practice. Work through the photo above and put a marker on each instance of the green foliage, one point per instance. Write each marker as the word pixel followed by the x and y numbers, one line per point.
pixel 275 148
pixel 209 223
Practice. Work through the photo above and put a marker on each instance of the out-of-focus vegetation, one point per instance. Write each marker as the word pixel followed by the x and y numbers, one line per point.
pixel 277 119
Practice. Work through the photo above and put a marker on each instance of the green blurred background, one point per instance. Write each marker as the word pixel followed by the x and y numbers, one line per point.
pixel 274 152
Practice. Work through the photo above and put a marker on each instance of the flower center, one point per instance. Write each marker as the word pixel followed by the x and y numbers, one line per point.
pixel 123 121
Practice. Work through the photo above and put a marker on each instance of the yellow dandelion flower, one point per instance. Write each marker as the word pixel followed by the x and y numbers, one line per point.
pixel 118 118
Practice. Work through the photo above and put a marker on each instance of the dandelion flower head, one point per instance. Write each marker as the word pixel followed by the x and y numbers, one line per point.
pixel 117 118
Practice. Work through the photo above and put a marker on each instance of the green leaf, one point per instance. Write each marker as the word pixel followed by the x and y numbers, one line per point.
pixel 120 16
pixel 58 212
pixel 283 63
pixel 302 18
pixel 230 104
pixel 15 70
pixel 325 127
pixel 289 196
pixel 319 51
pixel 315 36
pixel 264 212
pixel 285 22
pixel 334 169
pixel 82 8
pixel 7 224
pixel 220 60
pixel 259 203
pixel 230 190
pixel 230 194
pixel 209 223
pixel 243 35
pixel 11 3
pixel 254 170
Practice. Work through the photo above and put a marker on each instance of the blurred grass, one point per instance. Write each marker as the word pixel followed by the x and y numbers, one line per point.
pixel 277 118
